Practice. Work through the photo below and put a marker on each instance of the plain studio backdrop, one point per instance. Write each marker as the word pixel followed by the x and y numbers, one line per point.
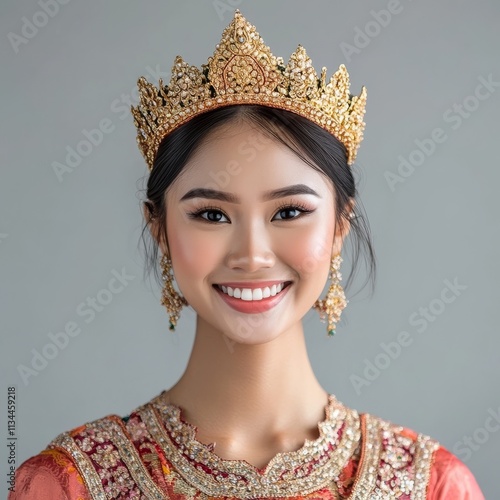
pixel 423 351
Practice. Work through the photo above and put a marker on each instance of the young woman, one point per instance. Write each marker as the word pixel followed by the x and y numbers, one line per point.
pixel 249 201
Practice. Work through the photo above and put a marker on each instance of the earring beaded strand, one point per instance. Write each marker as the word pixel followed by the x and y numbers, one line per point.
pixel 171 299
pixel 335 301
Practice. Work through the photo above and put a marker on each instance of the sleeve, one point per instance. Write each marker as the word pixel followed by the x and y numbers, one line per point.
pixel 49 475
pixel 451 478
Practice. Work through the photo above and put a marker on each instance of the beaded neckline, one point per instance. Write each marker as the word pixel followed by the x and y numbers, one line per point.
pixel 316 463
pixel 112 455
pixel 178 422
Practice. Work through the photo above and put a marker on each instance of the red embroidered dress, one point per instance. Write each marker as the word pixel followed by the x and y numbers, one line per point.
pixel 154 454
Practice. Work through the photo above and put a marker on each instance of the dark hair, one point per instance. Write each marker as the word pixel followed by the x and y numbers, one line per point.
pixel 314 145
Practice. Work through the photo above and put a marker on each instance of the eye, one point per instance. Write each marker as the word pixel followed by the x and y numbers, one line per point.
pixel 197 214
pixel 297 207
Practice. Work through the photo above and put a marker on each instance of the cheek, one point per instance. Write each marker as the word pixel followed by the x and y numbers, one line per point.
pixel 196 254
pixel 310 252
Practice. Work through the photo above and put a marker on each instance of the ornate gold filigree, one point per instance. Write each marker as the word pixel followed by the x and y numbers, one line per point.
pixel 392 465
pixel 243 70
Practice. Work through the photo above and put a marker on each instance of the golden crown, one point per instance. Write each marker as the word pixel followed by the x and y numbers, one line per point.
pixel 244 71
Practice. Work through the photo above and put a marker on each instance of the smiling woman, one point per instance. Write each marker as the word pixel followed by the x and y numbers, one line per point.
pixel 291 147
pixel 254 241
pixel 249 201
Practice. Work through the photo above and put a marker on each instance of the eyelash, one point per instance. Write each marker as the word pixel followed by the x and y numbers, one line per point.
pixel 297 205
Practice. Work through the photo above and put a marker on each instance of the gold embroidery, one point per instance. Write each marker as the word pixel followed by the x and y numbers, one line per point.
pixel 299 472
pixel 333 490
pixel 423 461
pixel 108 457
pixel 391 464
pixel 82 463
pixel 368 466
pixel 185 489
pixel 151 457
pixel 132 460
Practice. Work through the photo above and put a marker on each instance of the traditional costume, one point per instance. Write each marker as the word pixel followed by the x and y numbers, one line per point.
pixel 154 453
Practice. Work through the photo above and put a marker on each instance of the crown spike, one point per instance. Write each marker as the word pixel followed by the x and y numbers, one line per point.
pixel 242 70
pixel 301 76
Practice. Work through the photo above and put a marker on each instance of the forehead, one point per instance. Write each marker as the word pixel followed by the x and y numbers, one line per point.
pixel 241 156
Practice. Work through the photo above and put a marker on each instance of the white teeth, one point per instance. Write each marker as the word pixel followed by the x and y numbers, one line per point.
pixel 252 294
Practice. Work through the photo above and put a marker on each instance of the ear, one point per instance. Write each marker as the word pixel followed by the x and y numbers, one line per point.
pixel 154 229
pixel 343 230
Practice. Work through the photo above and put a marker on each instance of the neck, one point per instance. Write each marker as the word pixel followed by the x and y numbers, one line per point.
pixel 245 391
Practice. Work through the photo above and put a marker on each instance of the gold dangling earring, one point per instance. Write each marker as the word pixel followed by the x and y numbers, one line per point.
pixel 335 300
pixel 170 298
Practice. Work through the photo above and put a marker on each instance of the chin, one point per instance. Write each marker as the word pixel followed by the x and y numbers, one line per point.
pixel 257 338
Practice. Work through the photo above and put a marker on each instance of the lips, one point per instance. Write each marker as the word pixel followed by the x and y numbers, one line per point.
pixel 253 306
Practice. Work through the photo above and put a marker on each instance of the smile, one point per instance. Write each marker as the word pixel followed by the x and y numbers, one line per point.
pixel 253 300
pixel 253 294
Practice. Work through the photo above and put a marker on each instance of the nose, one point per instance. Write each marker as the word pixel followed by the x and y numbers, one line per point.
pixel 250 247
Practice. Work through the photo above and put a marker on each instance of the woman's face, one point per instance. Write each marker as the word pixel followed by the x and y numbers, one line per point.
pixel 226 227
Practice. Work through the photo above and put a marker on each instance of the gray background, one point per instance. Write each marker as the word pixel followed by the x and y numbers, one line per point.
pixel 61 240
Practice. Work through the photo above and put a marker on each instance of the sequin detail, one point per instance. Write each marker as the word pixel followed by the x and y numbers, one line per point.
pixel 108 461
pixel 393 466
pixel 155 455
pixel 306 470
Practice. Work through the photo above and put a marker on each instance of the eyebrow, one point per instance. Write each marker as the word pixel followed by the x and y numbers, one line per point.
pixel 213 194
